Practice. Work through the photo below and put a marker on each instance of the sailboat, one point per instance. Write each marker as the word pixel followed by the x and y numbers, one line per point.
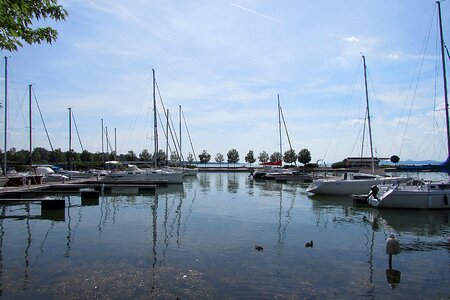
pixel 273 168
pixel 134 174
pixel 428 195
pixel 354 183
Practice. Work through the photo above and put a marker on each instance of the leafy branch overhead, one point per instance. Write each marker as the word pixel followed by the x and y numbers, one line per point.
pixel 19 19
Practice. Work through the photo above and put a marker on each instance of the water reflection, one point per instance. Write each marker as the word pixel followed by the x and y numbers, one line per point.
pixel 196 241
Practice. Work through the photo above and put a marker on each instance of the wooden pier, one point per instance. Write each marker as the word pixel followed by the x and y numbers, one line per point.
pixel 36 192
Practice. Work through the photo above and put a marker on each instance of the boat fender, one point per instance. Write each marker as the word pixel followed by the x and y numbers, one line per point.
pixel 445 199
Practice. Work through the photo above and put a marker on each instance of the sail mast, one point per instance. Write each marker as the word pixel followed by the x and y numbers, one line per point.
pixel 279 128
pixel 155 124
pixel 368 114
pixel 31 125
pixel 6 113
pixel 445 78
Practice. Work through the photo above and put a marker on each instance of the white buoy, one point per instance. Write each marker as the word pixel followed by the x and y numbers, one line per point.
pixel 392 245
pixel 392 248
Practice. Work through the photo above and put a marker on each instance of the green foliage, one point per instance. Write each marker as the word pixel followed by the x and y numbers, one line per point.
pixel 304 156
pixel 233 156
pixel 18 22
pixel 190 158
pixel 174 157
pixel 219 158
pixel 290 156
pixel 86 156
pixel 263 157
pixel 250 158
pixel 145 155
pixel 204 157
pixel 130 156
pixel 337 165
pixel 276 156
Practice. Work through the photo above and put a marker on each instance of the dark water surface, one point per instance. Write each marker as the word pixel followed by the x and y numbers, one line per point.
pixel 197 241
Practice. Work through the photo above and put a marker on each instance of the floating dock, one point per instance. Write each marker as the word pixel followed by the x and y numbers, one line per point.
pixel 34 192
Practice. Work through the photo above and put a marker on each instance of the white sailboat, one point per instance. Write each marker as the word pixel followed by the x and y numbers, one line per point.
pixel 428 195
pixel 156 175
pixel 354 183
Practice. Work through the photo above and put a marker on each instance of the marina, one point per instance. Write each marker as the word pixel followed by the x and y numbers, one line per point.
pixel 197 240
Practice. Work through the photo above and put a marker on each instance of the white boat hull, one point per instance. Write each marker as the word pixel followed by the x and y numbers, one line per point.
pixel 348 187
pixel 167 177
pixel 413 197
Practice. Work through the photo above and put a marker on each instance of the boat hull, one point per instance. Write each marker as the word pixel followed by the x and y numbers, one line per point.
pixel 150 177
pixel 349 187
pixel 413 199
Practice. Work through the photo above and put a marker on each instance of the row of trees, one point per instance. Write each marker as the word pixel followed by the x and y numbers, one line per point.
pixel 290 156
pixel 84 159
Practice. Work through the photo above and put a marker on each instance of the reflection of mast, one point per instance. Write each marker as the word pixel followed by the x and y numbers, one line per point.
pixel 27 261
pixel 154 208
pixel 2 233
pixel 282 228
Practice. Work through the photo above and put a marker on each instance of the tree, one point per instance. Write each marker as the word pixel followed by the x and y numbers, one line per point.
pixel 18 20
pixel 219 158
pixel 233 156
pixel 190 158
pixel 290 156
pixel 304 156
pixel 263 157
pixel 145 155
pixel 250 158
pixel 86 156
pixel 160 157
pixel 174 157
pixel 276 156
pixel 204 157
pixel 130 156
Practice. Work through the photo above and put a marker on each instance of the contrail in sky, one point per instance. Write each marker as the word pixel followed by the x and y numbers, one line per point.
pixel 257 13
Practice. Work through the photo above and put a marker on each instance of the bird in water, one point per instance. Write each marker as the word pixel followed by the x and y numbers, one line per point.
pixel 309 244
pixel 259 248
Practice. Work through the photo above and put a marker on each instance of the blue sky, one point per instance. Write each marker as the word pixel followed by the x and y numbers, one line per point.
pixel 224 63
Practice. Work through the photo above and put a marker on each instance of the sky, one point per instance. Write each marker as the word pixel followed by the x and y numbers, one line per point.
pixel 225 63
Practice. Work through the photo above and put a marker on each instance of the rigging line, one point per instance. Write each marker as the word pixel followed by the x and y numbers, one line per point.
pixel 109 144
pixel 42 119
pixel 343 108
pixel 446 50
pixel 164 131
pixel 76 129
pixel 172 133
pixel 419 66
pixel 189 135
pixel 287 134
pixel 366 118
pixel 378 103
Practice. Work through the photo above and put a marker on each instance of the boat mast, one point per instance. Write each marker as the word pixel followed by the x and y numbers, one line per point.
pixel 279 127
pixel 445 77
pixel 6 112
pixel 70 138
pixel 179 112
pixel 31 124
pixel 155 124
pixel 167 136
pixel 368 113
pixel 103 146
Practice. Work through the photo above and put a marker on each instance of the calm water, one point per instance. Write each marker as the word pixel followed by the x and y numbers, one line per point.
pixel 197 241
